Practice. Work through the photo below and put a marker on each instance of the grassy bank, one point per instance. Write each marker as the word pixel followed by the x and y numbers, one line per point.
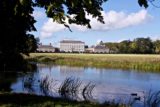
pixel 122 61
pixel 30 100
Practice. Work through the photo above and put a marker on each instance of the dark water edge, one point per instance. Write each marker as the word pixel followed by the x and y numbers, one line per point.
pixel 31 100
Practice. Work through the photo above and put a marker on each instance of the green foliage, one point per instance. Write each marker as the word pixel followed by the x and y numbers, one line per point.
pixel 77 8
pixel 157 46
pixel 143 3
pixel 137 46
pixel 143 45
pixel 17 21
pixel 113 47
pixel 124 46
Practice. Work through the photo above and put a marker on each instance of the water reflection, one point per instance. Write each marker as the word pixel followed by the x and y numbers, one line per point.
pixel 110 83
pixel 65 70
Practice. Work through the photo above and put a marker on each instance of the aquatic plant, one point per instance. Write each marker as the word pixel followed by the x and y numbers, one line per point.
pixel 70 87
pixel 45 85
pixel 87 91
pixel 153 99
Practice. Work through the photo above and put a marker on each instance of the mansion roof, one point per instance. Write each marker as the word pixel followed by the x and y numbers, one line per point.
pixel 46 46
pixel 71 41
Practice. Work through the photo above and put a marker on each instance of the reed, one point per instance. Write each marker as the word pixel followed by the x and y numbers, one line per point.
pixel 87 91
pixel 70 88
pixel 73 88
pixel 117 61
pixel 152 100
pixel 45 85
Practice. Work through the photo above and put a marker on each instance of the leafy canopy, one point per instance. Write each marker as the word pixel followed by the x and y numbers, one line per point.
pixel 73 10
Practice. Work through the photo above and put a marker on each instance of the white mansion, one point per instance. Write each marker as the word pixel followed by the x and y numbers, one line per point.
pixel 72 46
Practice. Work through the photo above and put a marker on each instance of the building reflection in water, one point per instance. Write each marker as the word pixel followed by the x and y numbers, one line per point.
pixel 47 67
pixel 66 70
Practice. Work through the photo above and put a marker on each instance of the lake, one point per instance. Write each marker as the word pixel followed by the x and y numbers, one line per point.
pixel 111 84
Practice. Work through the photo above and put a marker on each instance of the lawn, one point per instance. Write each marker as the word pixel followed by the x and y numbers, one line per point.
pixel 116 61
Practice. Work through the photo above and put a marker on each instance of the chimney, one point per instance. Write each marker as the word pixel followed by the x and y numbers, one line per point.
pixel 50 44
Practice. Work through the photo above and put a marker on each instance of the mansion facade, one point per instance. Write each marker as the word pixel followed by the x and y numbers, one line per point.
pixel 72 46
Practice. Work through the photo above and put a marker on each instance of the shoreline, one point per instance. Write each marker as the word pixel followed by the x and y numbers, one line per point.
pixel 32 100
pixel 146 63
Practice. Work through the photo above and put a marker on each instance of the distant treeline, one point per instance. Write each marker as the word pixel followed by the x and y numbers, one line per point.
pixel 137 46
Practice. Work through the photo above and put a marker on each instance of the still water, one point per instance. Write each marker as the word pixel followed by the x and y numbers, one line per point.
pixel 110 83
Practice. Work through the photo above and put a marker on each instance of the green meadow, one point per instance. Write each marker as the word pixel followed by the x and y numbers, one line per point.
pixel 139 62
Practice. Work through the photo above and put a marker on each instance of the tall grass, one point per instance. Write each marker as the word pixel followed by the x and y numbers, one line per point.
pixel 74 88
pixel 152 100
pixel 46 85
pixel 87 91
pixel 70 88
pixel 122 61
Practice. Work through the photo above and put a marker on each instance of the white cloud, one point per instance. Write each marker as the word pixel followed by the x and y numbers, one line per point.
pixel 113 20
pixel 116 20
pixel 38 14
pixel 49 28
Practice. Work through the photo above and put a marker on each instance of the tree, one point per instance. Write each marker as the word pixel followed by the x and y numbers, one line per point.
pixel 124 46
pixel 134 47
pixel 77 8
pixel 113 47
pixel 142 45
pixel 143 3
pixel 137 46
pixel 17 21
pixel 31 43
pixel 157 46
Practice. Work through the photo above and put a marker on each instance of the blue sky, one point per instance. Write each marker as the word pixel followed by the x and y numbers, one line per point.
pixel 123 20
